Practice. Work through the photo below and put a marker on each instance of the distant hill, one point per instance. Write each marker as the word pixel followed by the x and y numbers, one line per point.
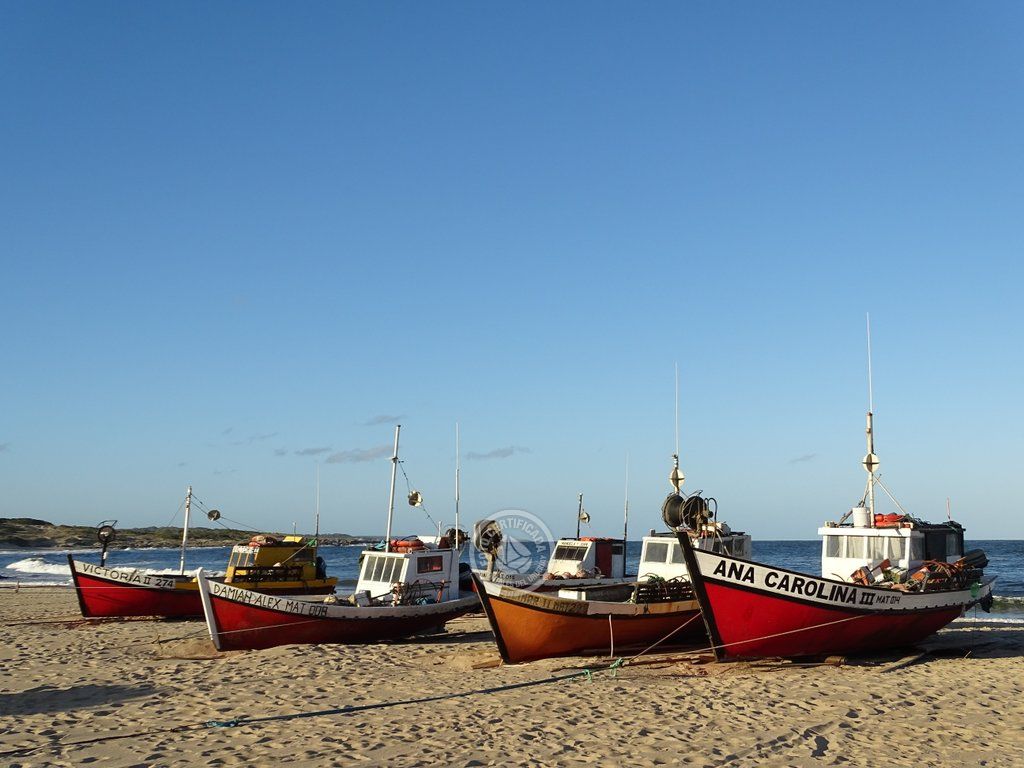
pixel 40 534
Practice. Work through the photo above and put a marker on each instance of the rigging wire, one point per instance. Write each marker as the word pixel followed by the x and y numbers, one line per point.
pixel 408 485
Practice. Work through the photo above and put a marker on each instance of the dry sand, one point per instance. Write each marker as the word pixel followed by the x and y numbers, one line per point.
pixel 66 680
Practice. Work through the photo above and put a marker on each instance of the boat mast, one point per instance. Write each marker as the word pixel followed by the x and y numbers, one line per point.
pixel 316 534
pixel 456 544
pixel 625 513
pixel 676 476
pixel 391 497
pixel 870 460
pixel 579 516
pixel 184 530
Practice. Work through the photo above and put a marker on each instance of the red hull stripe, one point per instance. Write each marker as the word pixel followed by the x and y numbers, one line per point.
pixel 240 619
pixel 99 597
pixel 756 625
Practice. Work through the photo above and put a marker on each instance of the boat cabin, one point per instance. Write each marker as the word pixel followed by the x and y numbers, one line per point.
pixel 662 557
pixel 416 573
pixel 588 558
pixel 900 539
pixel 268 558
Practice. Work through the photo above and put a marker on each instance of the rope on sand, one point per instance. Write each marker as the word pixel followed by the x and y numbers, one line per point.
pixel 346 710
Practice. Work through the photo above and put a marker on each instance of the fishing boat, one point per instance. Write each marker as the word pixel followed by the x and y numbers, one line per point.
pixel 285 565
pixel 888 581
pixel 658 608
pixel 410 587
pixel 583 562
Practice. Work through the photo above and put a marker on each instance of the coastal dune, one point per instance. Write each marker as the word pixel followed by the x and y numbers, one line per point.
pixel 139 692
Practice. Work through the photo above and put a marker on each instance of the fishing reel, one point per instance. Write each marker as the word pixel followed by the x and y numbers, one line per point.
pixel 691 512
pixel 105 534
pixel 456 537
pixel 487 537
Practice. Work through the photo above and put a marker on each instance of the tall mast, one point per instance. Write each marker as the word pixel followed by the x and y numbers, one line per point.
pixel 316 534
pixel 458 547
pixel 579 516
pixel 184 530
pixel 625 513
pixel 676 476
pixel 870 460
pixel 391 497
pixel 677 409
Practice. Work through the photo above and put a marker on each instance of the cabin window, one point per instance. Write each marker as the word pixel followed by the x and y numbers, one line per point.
pixel 833 546
pixel 392 573
pixel 855 547
pixel 953 545
pixel 657 552
pixel 917 548
pixel 378 568
pixel 935 545
pixel 569 552
pixel 896 549
pixel 616 547
pixel 677 553
pixel 431 564
pixel 877 549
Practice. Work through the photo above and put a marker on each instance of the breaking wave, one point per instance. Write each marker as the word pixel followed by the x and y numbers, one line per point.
pixel 39 565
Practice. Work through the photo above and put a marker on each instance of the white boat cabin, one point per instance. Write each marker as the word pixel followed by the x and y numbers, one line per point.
pixel 417 573
pixel 588 558
pixel 869 542
pixel 662 557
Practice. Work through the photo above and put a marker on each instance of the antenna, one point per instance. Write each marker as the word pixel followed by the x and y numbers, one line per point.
pixel 677 409
pixel 458 547
pixel 949 515
pixel 316 535
pixel 870 460
pixel 871 399
pixel 625 513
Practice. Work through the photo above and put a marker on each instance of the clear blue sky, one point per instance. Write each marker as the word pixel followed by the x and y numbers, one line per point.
pixel 238 238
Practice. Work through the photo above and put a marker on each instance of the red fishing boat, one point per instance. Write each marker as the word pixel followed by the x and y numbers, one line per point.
pixel 529 625
pixel 409 588
pixel 888 581
pixel 658 608
pixel 287 565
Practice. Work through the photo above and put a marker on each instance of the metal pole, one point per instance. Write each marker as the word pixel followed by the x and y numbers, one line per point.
pixel 625 521
pixel 316 534
pixel 184 531
pixel 391 497
pixel 457 546
pixel 579 516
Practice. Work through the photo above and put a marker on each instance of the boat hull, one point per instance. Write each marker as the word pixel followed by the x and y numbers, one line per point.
pixel 528 626
pixel 239 619
pixel 113 592
pixel 754 611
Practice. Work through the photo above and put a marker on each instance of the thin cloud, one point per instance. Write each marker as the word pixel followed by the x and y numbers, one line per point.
pixel 280 451
pixel 4 447
pixel 382 419
pixel 356 455
pixel 257 438
pixel 182 464
pixel 224 472
pixel 497 453
pixel 312 451
pixel 805 458
pixel 227 431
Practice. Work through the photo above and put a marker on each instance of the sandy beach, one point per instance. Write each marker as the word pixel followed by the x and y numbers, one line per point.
pixel 68 680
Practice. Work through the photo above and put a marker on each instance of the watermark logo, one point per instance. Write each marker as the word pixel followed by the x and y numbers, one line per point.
pixel 518 543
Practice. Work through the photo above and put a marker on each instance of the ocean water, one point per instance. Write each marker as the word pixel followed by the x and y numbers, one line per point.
pixel 1006 561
